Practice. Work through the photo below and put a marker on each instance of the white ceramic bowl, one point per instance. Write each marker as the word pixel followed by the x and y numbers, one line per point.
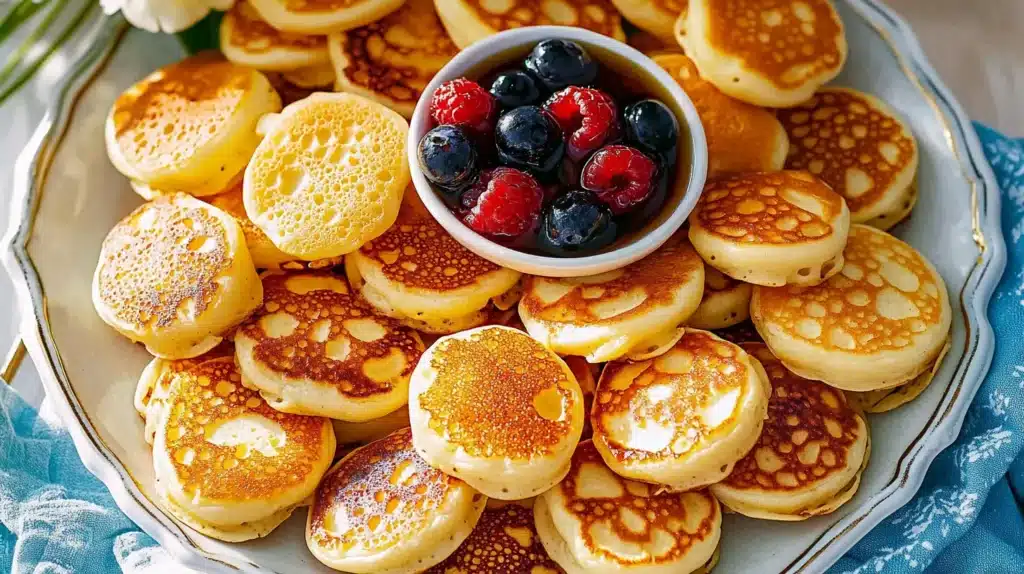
pixel 677 206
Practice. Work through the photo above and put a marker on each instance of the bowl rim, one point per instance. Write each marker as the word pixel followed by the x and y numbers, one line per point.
pixel 540 264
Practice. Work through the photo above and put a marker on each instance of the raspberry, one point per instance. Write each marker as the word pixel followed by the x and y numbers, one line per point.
pixel 503 205
pixel 620 176
pixel 588 118
pixel 463 102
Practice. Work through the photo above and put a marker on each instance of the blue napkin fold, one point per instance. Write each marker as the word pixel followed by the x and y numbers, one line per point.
pixel 56 518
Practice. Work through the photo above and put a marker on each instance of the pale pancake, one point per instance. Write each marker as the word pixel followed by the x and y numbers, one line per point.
pixel 247 40
pixel 595 521
pixel 604 317
pixel 683 418
pixel 772 53
pixel 329 175
pixel 493 407
pixel 383 510
pixel 265 255
pixel 394 58
pixel 350 433
pixel 319 77
pixel 879 323
pixel 470 20
pixel 228 464
pixel 779 228
pixel 741 137
pixel 176 276
pixel 858 145
pixel 885 400
pixel 657 17
pixel 726 302
pixel 190 126
pixel 323 16
pixel 317 348
pixel 811 453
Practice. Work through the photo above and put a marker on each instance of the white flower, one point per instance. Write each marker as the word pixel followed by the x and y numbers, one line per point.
pixel 164 15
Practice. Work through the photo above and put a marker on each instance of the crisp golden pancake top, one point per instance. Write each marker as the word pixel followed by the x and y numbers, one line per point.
pixel 596 15
pixel 379 496
pixel 632 291
pixel 319 5
pixel 806 437
pixel 251 33
pixel 785 41
pixel 505 541
pixel 161 261
pixel 210 394
pixel 845 139
pixel 608 505
pixel 780 208
pixel 885 295
pixel 499 393
pixel 313 327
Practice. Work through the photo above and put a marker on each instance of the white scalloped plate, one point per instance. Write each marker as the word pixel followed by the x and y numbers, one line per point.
pixel 67 196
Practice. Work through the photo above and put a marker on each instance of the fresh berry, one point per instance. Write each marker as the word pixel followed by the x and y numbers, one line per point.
pixel 529 138
pixel 653 128
pixel 588 117
pixel 465 103
pixel 448 159
pixel 503 205
pixel 620 176
pixel 559 64
pixel 514 89
pixel 575 223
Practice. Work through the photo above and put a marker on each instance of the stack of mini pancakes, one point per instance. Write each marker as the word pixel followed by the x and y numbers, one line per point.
pixel 300 301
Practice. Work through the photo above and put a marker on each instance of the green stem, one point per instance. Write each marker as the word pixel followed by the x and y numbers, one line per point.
pixel 14 18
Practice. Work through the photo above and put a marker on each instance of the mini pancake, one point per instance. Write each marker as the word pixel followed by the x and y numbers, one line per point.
pixel 858 145
pixel 603 317
pixel 394 58
pixel 249 41
pixel 882 321
pixel 470 20
pixel 365 432
pixel 495 408
pixel 726 302
pixel 810 456
pixel 890 219
pixel 291 92
pixel 316 348
pixel 190 126
pixel 772 53
pixel 320 77
pixel 656 17
pixel 329 175
pixel 741 137
pixel 779 228
pixel 683 418
pixel 265 255
pixel 175 275
pixel 322 16
pixel 383 510
pixel 596 521
pixel 226 463
pixel 885 400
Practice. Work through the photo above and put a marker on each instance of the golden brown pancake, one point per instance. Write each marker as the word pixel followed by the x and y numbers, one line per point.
pixel 360 433
pixel 470 20
pixel 726 302
pixel 885 400
pixel 249 41
pixel 656 17
pixel 323 16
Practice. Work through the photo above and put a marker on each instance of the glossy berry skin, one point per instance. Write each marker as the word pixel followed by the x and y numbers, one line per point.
pixel 448 159
pixel 576 223
pixel 653 128
pixel 464 103
pixel 559 64
pixel 620 176
pixel 514 89
pixel 503 205
pixel 530 139
pixel 589 119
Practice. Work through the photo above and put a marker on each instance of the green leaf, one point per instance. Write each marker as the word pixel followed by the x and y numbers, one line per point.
pixel 203 35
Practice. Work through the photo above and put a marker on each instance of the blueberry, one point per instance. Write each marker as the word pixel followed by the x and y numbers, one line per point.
pixel 528 138
pixel 653 128
pixel 514 89
pixel 576 223
pixel 560 64
pixel 448 159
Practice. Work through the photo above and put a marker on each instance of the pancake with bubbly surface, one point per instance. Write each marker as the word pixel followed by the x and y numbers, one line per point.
pixel 656 17
pixel 190 126
pixel 226 463
pixel 596 521
pixel 858 145
pixel 329 175
pixel 778 228
pixel 726 302
pixel 772 53
pixel 810 456
pixel 383 510
pixel 880 322
pixel 681 419
pixel 394 58
pixel 265 255
pixel 357 433
pixel 885 400
pixel 175 275
pixel 495 408
pixel 603 317
pixel 249 41
pixel 316 348
pixel 470 20
pixel 322 16
pixel 741 137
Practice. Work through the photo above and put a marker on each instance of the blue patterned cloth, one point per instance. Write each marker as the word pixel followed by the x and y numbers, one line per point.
pixel 56 518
